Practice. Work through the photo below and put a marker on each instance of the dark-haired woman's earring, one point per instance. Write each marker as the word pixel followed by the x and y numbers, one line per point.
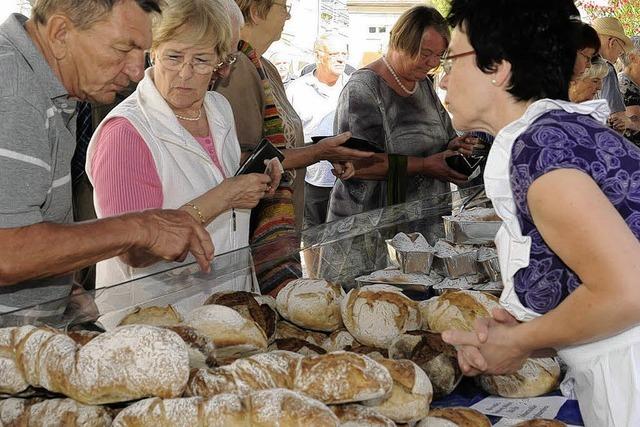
pixel 494 82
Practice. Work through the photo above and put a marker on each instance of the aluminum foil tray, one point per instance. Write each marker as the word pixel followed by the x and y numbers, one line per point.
pixel 456 266
pixel 409 282
pixel 466 229
pixel 410 261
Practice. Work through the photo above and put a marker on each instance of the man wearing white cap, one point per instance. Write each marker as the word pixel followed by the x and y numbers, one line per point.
pixel 613 44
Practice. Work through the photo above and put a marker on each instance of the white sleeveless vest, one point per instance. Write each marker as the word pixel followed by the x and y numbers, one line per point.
pixel 185 169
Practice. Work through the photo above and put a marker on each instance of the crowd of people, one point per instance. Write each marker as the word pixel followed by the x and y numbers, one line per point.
pixel 191 95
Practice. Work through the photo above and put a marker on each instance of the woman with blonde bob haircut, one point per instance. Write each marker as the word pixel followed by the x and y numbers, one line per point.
pixel 172 144
pixel 586 86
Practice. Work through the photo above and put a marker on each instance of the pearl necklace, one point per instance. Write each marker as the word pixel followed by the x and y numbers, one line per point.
pixel 395 76
pixel 190 119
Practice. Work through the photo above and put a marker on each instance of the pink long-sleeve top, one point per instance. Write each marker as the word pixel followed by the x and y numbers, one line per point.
pixel 125 177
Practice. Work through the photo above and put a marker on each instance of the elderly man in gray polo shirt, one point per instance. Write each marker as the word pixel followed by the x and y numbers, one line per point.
pixel 70 50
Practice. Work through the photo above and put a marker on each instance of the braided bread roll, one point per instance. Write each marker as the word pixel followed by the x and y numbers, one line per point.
pixel 52 413
pixel 129 362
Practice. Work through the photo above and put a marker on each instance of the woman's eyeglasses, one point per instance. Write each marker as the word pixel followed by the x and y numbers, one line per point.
pixel 285 6
pixel 446 62
pixel 199 65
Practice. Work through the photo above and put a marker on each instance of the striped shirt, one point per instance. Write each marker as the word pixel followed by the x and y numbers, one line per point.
pixel 37 140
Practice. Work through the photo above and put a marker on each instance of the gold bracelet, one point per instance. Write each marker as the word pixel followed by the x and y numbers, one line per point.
pixel 198 211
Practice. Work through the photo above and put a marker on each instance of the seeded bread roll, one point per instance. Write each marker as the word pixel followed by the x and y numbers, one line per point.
pixel 377 314
pixel 127 363
pixel 153 316
pixel 249 307
pixel 437 358
pixel 285 329
pixel 311 304
pixel 456 310
pixel 296 345
pixel 454 417
pixel 52 413
pixel 266 408
pixel 232 334
pixel 411 394
pixel 342 377
pixel 536 377
pixel 354 415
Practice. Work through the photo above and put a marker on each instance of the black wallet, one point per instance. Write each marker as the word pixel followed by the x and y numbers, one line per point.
pixel 255 162
pixel 354 143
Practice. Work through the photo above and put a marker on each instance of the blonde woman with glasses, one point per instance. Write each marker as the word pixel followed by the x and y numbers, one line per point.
pixel 172 144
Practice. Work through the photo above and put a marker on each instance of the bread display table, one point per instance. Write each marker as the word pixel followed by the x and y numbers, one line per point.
pixel 236 343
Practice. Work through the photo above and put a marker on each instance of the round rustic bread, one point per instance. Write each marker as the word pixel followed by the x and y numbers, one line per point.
pixel 248 306
pixel 232 334
pixel 437 358
pixel 353 415
pixel 154 316
pixel 342 377
pixel 377 314
pixel 536 377
pixel 454 417
pixel 411 393
pixel 311 304
pixel 456 310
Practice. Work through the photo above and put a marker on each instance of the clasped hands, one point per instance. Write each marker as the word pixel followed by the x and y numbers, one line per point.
pixel 493 347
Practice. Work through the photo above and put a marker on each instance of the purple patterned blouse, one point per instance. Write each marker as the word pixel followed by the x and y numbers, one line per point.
pixel 563 140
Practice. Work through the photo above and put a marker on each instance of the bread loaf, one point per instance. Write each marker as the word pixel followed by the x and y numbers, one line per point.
pixel 342 377
pixel 258 372
pixel 218 411
pixel 232 334
pixel 12 380
pixel 52 413
pixel 154 316
pixel 278 407
pixel 541 423
pixel 536 377
pixel 311 304
pixel 373 352
pixel 201 349
pixel 437 358
pixel 286 408
pixel 377 314
pixel 289 330
pixel 338 340
pixel 296 345
pixel 249 307
pixel 411 393
pixel 454 417
pixel 456 310
pixel 354 415
pixel 129 362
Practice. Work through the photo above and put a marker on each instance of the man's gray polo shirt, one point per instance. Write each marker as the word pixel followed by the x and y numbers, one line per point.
pixel 37 140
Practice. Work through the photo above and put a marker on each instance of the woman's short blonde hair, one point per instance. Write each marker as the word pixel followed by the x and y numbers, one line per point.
pixel 196 22
pixel 261 6
pixel 406 34
pixel 598 70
